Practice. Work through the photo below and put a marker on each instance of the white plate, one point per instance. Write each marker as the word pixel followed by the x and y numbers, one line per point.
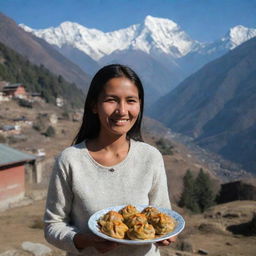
pixel 94 227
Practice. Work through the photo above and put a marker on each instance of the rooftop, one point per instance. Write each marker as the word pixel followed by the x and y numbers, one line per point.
pixel 12 86
pixel 10 155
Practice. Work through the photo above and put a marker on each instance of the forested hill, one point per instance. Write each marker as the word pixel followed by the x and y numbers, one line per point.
pixel 38 52
pixel 17 69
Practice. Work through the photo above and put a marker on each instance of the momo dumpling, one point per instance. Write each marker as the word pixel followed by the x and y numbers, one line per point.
pixel 162 223
pixel 111 216
pixel 150 211
pixel 114 229
pixel 128 210
pixel 136 219
pixel 141 232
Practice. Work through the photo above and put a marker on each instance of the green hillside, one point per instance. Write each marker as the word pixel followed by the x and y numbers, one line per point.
pixel 17 69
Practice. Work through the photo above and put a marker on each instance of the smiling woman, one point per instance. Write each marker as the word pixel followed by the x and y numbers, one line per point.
pixel 118 107
pixel 105 167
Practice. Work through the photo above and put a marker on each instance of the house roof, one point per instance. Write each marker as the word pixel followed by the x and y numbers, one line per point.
pixel 10 155
pixel 12 86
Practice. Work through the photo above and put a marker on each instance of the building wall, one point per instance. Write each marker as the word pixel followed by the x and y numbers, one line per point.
pixel 20 91
pixel 12 185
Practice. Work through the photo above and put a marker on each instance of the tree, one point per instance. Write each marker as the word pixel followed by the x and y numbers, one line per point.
pixel 188 197
pixel 197 193
pixel 165 147
pixel 14 68
pixel 203 191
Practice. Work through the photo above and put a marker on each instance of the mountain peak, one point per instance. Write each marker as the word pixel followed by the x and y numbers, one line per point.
pixel 154 21
pixel 239 34
pixel 26 28
pixel 156 36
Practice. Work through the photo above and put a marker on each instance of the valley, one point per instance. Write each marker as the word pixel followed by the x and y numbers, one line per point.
pixel 23 221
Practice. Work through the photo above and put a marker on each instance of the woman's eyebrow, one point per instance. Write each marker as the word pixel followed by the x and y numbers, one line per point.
pixel 132 97
pixel 115 96
pixel 110 95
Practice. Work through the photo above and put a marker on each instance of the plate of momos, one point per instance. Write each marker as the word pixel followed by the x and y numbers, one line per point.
pixel 136 224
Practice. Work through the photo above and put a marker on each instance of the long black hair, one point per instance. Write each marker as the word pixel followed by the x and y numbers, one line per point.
pixel 90 127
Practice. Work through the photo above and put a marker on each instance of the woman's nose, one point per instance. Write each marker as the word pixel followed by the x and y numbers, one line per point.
pixel 121 108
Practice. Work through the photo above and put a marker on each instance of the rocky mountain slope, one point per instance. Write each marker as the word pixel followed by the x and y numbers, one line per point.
pixel 217 105
pixel 39 52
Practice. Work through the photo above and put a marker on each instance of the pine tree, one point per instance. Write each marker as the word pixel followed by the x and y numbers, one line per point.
pixel 16 69
pixel 203 191
pixel 188 198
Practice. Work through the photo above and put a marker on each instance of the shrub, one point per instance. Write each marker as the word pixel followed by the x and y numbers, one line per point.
pixel 25 103
pixel 50 132
pixel 164 146
pixel 65 115
pixel 41 123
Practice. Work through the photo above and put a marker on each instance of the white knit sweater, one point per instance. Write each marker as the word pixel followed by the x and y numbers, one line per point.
pixel 80 186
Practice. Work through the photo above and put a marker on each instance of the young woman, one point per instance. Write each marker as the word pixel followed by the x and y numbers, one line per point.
pixel 108 165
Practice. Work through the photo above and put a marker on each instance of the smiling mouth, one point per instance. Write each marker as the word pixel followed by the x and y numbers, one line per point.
pixel 120 121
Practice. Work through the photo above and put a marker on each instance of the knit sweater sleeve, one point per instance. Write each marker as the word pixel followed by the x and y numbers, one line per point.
pixel 159 195
pixel 58 230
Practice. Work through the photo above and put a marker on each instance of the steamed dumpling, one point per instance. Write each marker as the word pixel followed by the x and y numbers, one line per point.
pixel 114 229
pixel 112 216
pixel 149 211
pixel 128 210
pixel 162 223
pixel 141 232
pixel 136 219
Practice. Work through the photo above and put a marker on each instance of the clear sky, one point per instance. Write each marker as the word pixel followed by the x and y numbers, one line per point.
pixel 203 20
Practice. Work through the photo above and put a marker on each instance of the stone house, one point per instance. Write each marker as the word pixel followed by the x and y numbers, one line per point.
pixel 12 174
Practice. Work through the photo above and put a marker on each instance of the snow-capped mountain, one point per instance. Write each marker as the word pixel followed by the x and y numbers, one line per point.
pixel 233 38
pixel 152 42
pixel 196 59
pixel 154 36
pixel 238 35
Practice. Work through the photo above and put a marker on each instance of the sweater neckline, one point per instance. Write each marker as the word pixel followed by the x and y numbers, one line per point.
pixel 130 152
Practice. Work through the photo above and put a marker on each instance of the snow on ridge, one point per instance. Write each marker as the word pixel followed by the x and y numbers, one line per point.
pixel 154 21
pixel 237 35
pixel 155 35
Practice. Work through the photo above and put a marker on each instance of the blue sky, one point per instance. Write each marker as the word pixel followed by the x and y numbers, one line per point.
pixel 203 20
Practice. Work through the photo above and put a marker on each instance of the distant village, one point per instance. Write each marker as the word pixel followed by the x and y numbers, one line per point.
pixel 11 91
pixel 18 92
pixel 17 168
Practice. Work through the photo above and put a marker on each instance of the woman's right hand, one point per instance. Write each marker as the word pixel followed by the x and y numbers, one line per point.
pixel 82 241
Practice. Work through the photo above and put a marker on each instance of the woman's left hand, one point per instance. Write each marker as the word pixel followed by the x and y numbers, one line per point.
pixel 167 241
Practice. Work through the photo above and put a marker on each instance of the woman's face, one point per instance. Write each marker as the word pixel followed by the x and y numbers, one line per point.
pixel 118 106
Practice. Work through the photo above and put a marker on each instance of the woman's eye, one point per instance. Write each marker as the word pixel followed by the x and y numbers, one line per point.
pixel 132 101
pixel 110 100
